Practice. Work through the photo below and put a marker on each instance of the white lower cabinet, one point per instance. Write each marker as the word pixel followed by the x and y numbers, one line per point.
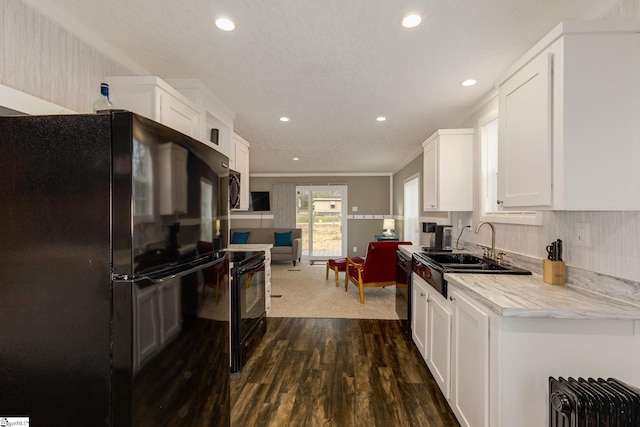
pixel 420 309
pixel 470 362
pixel 500 365
pixel 431 330
pixel 439 341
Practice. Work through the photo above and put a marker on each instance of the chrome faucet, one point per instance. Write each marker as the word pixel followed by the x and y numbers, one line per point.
pixel 492 252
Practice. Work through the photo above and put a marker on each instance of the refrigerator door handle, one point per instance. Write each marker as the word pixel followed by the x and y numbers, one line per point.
pixel 163 276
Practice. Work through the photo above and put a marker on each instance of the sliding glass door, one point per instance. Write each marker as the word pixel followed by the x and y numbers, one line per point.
pixel 321 214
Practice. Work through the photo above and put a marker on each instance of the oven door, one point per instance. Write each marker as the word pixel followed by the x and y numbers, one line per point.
pixel 248 315
pixel 252 294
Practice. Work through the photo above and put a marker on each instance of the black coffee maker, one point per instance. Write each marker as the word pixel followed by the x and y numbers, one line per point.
pixel 439 237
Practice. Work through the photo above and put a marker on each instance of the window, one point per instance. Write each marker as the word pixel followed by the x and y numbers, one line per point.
pixel 142 182
pixel 490 210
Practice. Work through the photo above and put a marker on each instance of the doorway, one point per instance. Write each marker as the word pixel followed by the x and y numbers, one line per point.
pixel 412 209
pixel 321 214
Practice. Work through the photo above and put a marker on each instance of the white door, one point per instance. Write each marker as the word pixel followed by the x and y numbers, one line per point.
pixel 320 213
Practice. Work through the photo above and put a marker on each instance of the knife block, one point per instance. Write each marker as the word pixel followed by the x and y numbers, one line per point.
pixel 553 272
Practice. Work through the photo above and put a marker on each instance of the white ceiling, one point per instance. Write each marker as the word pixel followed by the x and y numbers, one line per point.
pixel 332 66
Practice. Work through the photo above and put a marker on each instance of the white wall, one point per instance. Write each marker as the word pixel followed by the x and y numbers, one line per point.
pixel 41 58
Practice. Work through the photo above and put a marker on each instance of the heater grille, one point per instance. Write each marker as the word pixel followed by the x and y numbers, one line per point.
pixel 593 402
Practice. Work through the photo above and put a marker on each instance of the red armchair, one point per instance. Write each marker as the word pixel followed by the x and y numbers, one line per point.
pixel 378 268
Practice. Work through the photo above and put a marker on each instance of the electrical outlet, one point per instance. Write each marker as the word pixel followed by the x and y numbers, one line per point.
pixel 354 209
pixel 459 223
pixel 355 249
pixel 582 235
pixel 470 222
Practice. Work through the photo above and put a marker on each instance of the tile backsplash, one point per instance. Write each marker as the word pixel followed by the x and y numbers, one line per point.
pixel 610 265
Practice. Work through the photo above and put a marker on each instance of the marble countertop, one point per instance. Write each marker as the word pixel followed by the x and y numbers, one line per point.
pixel 529 296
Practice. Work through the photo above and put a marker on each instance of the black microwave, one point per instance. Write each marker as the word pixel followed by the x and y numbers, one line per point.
pixel 234 190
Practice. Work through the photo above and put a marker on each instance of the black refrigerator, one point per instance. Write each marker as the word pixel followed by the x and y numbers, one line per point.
pixel 103 316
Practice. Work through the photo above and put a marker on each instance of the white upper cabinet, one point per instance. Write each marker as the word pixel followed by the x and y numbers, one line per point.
pixel 570 120
pixel 448 171
pixel 214 114
pixel 153 98
pixel 525 125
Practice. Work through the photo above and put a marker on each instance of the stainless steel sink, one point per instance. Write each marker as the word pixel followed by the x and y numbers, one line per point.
pixel 469 263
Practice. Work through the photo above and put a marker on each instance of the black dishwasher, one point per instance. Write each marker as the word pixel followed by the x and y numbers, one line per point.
pixel 403 290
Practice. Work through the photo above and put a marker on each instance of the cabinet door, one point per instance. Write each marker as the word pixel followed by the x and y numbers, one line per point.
pixel 470 362
pixel 430 173
pixel 178 115
pixel 419 310
pixel 525 130
pixel 448 171
pixel 439 342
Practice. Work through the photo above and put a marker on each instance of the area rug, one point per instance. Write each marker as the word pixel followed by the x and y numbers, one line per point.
pixel 302 291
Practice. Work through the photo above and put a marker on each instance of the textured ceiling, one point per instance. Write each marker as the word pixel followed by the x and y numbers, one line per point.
pixel 332 66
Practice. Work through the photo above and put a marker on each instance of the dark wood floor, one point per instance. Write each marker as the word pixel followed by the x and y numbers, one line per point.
pixel 336 372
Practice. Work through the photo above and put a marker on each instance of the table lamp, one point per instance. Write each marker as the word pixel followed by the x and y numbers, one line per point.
pixel 389 227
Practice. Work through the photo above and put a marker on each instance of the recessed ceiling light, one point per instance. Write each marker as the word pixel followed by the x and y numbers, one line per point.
pixel 296 158
pixel 469 82
pixel 381 119
pixel 411 21
pixel 225 24
pixel 284 119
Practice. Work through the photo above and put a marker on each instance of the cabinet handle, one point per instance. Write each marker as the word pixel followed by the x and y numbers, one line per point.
pixel 421 294
pixel 433 206
pixel 428 299
pixel 499 202
pixel 452 298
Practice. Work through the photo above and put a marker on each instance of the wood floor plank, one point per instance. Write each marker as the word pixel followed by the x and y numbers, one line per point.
pixel 336 372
